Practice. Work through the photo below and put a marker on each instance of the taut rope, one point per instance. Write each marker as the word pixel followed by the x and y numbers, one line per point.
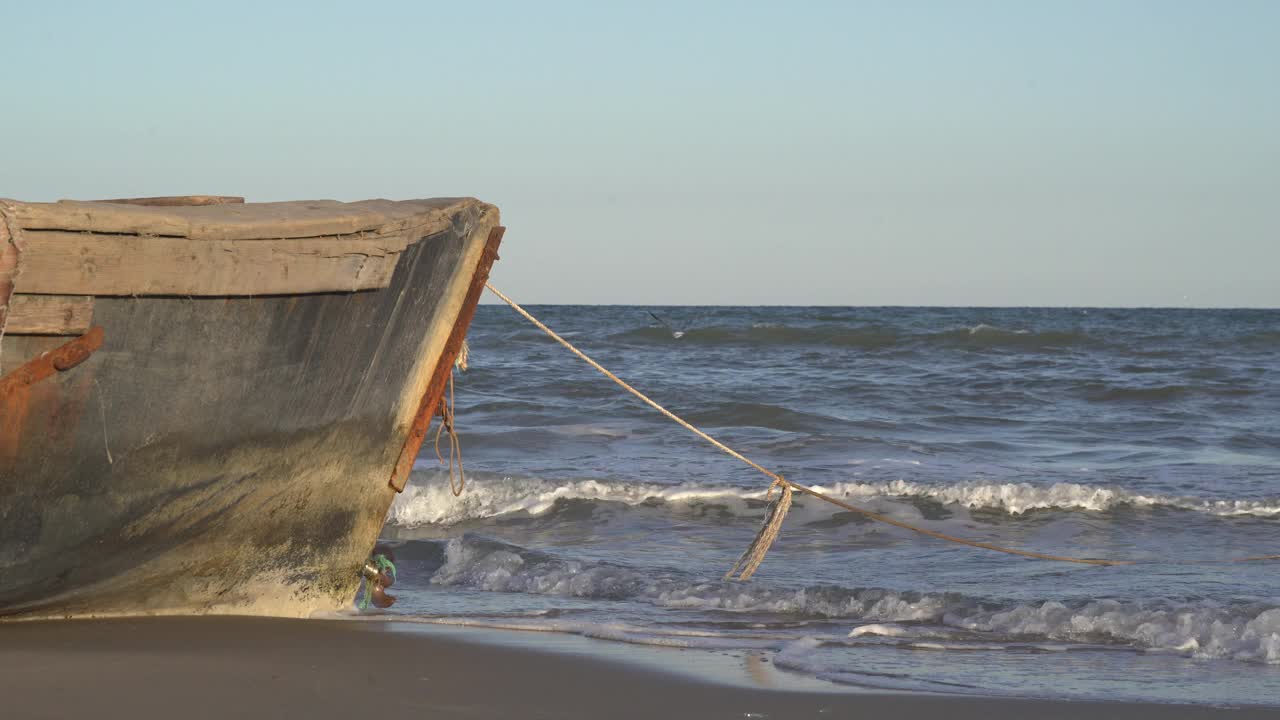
pixel 773 518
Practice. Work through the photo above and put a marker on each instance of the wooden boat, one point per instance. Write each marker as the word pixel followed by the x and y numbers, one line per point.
pixel 208 406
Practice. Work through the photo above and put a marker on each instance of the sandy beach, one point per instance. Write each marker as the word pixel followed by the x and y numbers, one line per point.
pixel 192 668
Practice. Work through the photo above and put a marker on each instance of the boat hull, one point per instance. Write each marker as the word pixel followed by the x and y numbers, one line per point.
pixel 224 454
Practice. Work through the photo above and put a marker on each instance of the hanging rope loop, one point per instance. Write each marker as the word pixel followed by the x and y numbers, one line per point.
pixel 458 482
pixel 769 530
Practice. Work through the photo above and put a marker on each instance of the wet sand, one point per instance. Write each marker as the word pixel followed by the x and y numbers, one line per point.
pixel 181 668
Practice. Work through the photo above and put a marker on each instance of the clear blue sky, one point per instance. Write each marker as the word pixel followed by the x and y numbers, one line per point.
pixel 917 153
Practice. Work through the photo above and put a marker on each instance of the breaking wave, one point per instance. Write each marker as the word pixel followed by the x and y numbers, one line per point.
pixel 428 501
pixel 1243 631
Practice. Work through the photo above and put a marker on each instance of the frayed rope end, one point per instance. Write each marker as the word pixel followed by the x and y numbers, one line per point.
pixel 769 530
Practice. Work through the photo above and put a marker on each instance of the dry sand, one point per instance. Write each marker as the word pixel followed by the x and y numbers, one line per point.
pixel 180 668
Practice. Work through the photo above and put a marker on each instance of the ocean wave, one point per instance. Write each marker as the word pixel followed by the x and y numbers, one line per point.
pixel 428 501
pixel 766 334
pixel 1248 631
pixel 1155 393
pixel 1262 339
pixel 746 414
pixel 1101 392
pixel 990 336
pixel 1243 631
pixel 1020 498
pixel 866 337
pixel 799 656
pixel 617 632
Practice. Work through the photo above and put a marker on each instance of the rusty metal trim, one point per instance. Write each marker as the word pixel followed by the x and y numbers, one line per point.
pixel 444 366
pixel 60 359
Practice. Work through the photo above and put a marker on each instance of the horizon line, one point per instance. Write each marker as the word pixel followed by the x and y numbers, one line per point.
pixel 487 301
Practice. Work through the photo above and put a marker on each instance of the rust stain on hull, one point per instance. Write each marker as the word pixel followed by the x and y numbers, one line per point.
pixel 60 359
pixel 16 388
pixel 444 366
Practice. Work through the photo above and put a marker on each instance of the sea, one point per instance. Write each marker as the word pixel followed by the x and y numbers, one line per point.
pixel 1150 435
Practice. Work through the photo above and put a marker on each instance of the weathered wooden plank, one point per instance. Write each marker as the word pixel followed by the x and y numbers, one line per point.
pixel 8 269
pixel 50 314
pixel 63 263
pixel 251 221
pixel 19 349
pixel 100 217
pixel 178 200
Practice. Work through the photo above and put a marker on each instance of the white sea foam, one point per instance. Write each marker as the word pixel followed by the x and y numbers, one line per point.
pixel 951 646
pixel 1239 631
pixel 880 630
pixel 428 500
pixel 913 632
pixel 803 655
pixel 618 632
pixel 431 502
pixel 1248 632
pixel 982 328
pixel 1019 498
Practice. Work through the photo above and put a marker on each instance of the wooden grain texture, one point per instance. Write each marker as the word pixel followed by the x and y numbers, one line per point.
pixel 178 200
pixel 64 263
pixel 19 349
pixel 251 221
pixel 50 314
pixel 8 270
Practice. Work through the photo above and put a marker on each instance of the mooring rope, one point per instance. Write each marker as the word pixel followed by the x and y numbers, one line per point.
pixel 777 511
pixel 455 444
